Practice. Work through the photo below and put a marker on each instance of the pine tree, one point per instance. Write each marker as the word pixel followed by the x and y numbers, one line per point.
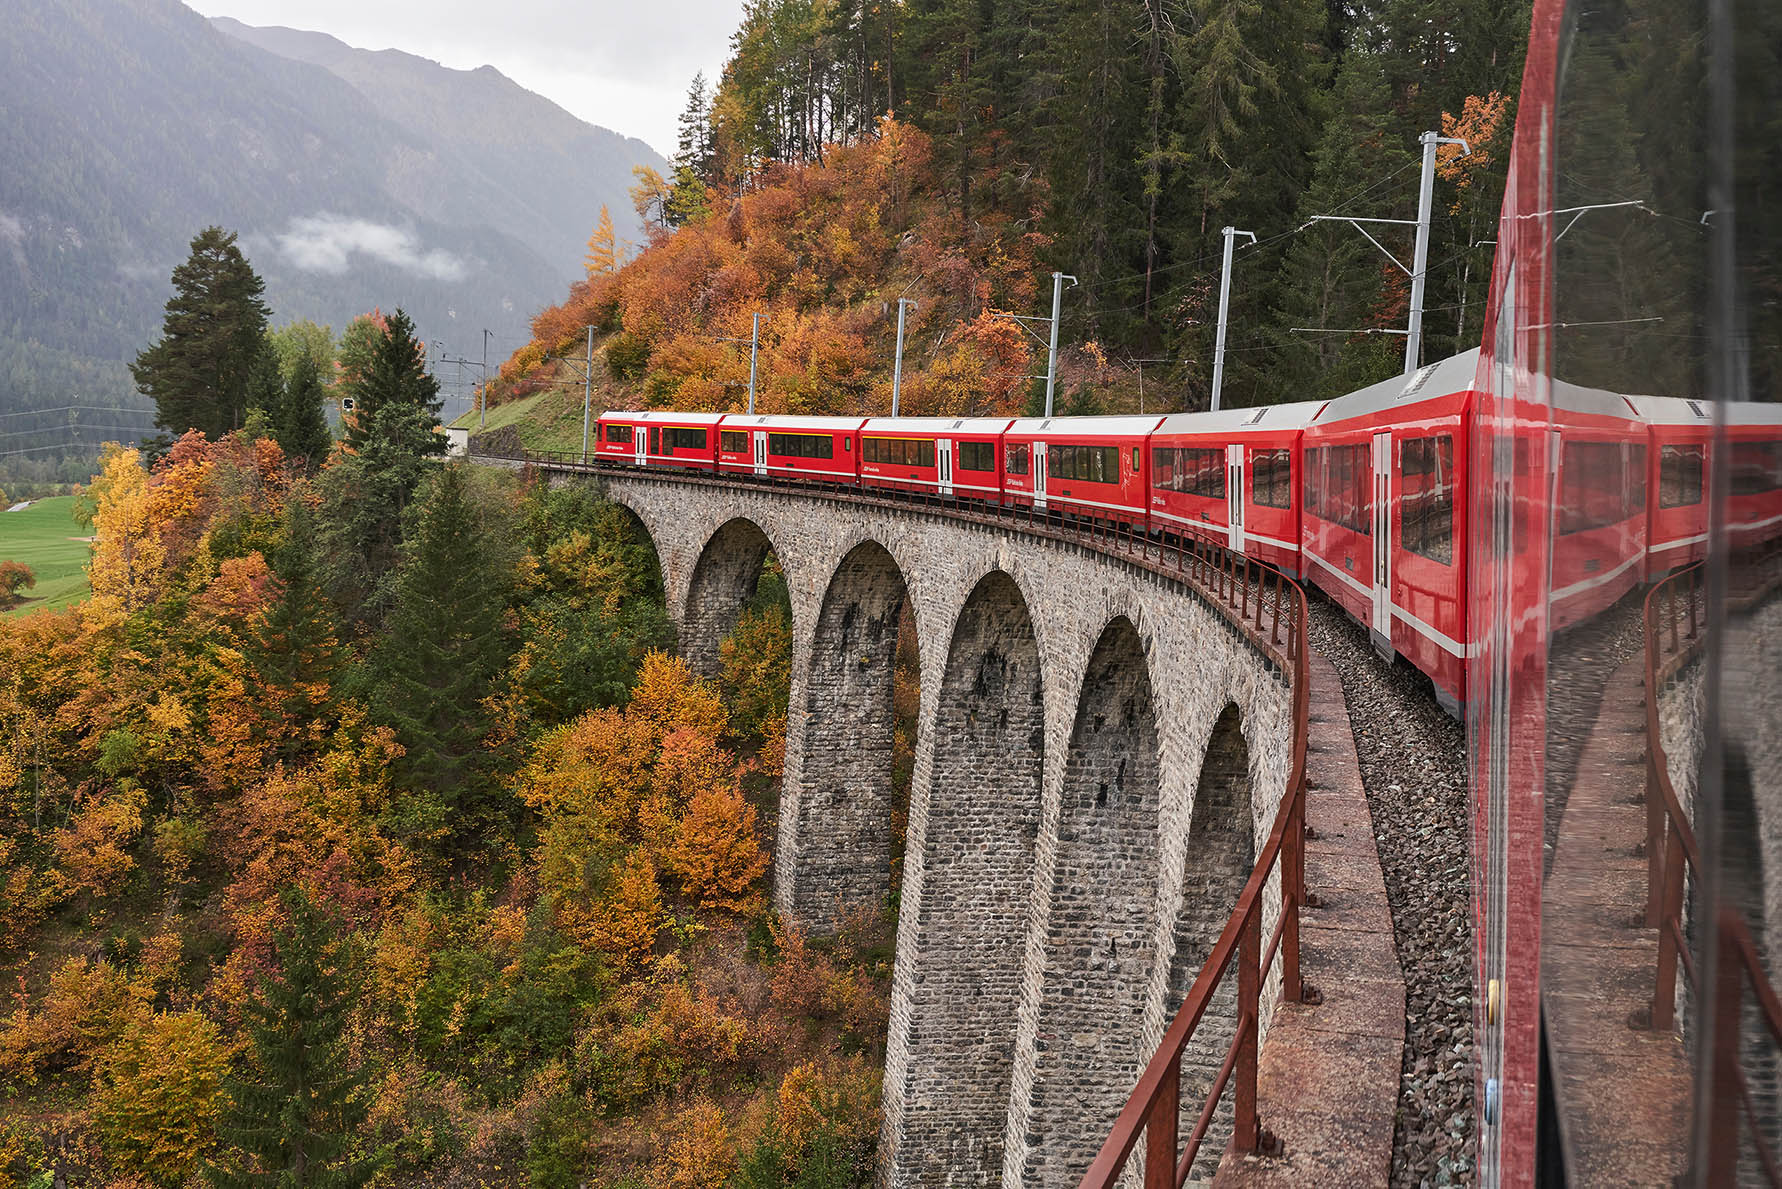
pixel 444 642
pixel 293 1124
pixel 300 423
pixel 603 247
pixel 297 655
pixel 395 401
pixel 211 340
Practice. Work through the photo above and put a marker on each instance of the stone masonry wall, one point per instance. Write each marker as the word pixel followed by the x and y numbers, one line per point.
pixel 978 965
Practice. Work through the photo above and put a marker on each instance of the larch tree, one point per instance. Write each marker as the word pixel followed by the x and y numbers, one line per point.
pixel 198 374
pixel 293 1125
pixel 603 247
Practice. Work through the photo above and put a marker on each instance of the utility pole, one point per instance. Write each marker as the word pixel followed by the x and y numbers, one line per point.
pixel 754 341
pixel 897 367
pixel 587 392
pixel 1058 280
pixel 1413 331
pixel 1230 234
pixel 483 403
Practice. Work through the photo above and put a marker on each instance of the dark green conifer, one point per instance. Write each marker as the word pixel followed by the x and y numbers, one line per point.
pixel 292 1122
pixel 301 422
pixel 212 339
pixel 298 652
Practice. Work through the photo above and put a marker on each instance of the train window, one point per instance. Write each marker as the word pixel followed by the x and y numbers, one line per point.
pixel 1135 460
pixel 733 441
pixel 1592 486
pixel 909 452
pixel 1314 470
pixel 977 456
pixel 801 445
pixel 1163 468
pixel 1426 501
pixel 686 439
pixel 1636 480
pixel 1016 462
pixel 619 435
pixel 1679 476
pixel 1085 464
pixel 1756 468
pixel 1271 478
pixel 1339 486
pixel 1192 472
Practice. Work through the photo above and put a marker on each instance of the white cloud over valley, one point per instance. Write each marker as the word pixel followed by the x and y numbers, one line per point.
pixel 327 243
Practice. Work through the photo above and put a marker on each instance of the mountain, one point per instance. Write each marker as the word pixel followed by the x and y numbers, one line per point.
pixel 379 180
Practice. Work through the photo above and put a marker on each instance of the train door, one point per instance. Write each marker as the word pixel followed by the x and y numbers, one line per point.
pixel 761 452
pixel 1234 497
pixel 1039 474
pixel 943 455
pixel 641 444
pixel 1382 525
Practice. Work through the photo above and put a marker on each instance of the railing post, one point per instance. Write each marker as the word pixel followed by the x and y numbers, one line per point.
pixel 1654 844
pixel 1293 894
pixel 1664 995
pixel 1160 1132
pixel 1245 1132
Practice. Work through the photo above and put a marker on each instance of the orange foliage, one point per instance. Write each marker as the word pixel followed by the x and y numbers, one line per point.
pixel 624 923
pixel 1483 122
pixel 160 1094
pixel 86 1006
pixel 840 1093
pixel 93 850
pixel 716 854
pixel 699 1153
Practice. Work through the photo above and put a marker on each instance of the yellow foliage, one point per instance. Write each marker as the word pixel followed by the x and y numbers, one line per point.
pixel 699 1153
pixel 159 1095
pixel 840 1093
pixel 624 923
pixel 93 851
pixel 86 1006
pixel 716 854
pixel 668 697
pixel 127 552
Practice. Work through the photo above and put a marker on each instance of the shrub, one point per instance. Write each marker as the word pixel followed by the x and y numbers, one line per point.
pixel 627 355
pixel 159 1095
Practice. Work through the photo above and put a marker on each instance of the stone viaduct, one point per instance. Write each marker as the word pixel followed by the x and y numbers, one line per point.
pixel 1099 754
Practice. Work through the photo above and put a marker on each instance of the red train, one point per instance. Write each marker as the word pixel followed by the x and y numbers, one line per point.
pixel 1366 495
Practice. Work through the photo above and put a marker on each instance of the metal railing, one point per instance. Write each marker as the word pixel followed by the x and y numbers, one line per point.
pixel 1675 623
pixel 1269 610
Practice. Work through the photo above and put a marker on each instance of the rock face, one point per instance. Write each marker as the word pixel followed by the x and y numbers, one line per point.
pixel 1075 819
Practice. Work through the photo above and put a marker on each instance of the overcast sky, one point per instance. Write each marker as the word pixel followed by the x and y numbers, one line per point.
pixel 622 64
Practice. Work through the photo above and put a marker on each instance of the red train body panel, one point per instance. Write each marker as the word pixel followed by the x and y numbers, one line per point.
pixel 1095 467
pixel 659 438
pixel 821 449
pixel 949 456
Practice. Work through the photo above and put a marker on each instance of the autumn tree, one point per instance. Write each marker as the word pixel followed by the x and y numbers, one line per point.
pixel 650 198
pixel 15 578
pixel 159 1094
pixel 444 642
pixel 304 339
pixel 603 247
pixel 199 371
pixel 292 1125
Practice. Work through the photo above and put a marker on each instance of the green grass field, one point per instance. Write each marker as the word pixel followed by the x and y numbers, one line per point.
pixel 43 537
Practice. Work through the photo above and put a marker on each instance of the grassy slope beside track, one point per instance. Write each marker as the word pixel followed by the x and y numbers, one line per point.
pixel 46 538
pixel 550 420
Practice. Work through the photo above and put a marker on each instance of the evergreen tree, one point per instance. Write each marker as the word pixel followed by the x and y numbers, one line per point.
pixel 300 422
pixel 392 434
pixel 298 654
pixel 444 642
pixel 212 339
pixel 293 1123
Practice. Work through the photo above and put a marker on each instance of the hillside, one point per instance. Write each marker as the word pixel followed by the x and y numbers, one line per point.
pixel 128 125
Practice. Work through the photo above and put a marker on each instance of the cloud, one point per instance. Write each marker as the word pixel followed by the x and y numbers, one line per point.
pixel 326 243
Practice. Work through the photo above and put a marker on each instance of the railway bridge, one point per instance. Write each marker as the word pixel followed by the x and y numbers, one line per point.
pixel 1102 744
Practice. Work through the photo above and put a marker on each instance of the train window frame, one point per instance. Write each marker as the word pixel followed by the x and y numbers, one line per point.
pixel 1083 462
pixel 1686 481
pixel 655 439
pixel 1015 458
pixel 733 441
pixel 619 435
pixel 808 445
pixel 1426 526
pixel 1755 467
pixel 1593 488
pixel 682 437
pixel 1271 478
pixel 896 452
pixel 977 456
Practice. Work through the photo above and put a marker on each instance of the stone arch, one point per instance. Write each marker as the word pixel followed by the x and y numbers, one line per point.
pixel 1101 939
pixel 1220 853
pixel 983 812
pixel 723 581
pixel 841 823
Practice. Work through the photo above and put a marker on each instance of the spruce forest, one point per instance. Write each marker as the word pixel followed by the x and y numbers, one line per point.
pixel 362 826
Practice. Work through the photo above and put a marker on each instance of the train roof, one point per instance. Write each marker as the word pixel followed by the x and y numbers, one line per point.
pixel 938 425
pixel 1576 398
pixel 1750 412
pixel 1441 378
pixel 1260 419
pixel 1112 427
pixel 766 421
pixel 1672 410
pixel 664 416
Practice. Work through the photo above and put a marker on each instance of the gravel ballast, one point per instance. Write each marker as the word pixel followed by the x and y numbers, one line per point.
pixel 1413 764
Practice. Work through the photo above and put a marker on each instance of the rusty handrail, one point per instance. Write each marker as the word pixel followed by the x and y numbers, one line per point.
pixel 1154 1104
pixel 1671 851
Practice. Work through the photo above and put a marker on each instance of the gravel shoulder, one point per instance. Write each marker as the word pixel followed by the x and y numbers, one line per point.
pixel 1413 766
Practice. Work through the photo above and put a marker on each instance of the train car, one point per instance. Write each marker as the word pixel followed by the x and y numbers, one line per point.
pixel 820 449
pixel 1754 476
pixel 1232 477
pixel 659 438
pixel 949 456
pixel 1383 523
pixel 1095 467
pixel 1679 439
pixel 1599 450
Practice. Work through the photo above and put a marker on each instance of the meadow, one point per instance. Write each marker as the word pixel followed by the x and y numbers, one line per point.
pixel 46 537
